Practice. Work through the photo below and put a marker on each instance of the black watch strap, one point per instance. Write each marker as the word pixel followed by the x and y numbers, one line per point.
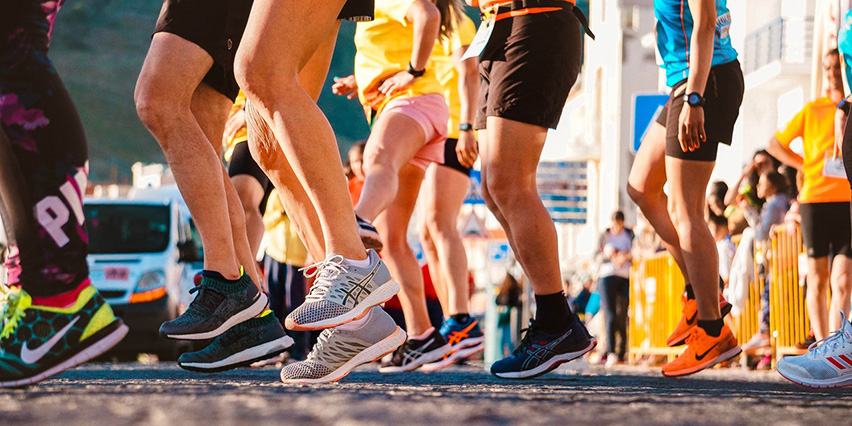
pixel 844 106
pixel 414 72
pixel 694 99
pixel 465 127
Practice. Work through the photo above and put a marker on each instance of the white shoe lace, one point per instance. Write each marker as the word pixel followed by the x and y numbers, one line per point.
pixel 326 272
pixel 828 344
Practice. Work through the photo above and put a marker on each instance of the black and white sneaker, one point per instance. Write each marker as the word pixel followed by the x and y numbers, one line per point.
pixel 414 353
pixel 369 236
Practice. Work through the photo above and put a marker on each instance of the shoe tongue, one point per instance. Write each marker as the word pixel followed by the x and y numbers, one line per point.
pixel 847 330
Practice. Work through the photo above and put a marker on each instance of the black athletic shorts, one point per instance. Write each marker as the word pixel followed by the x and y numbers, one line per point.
pixel 242 163
pixel 451 159
pixel 722 98
pixel 826 229
pixel 217 26
pixel 528 67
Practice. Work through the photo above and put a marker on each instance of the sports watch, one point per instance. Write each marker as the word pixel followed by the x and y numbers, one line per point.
pixel 465 127
pixel 844 106
pixel 414 72
pixel 694 99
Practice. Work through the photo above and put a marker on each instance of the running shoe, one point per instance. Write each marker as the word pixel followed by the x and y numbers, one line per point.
pixel 828 363
pixel 369 236
pixel 342 292
pixel 415 353
pixel 254 340
pixel 757 342
pixel 540 352
pixel 689 320
pixel 217 307
pixel 703 351
pixel 37 342
pixel 465 339
pixel 337 351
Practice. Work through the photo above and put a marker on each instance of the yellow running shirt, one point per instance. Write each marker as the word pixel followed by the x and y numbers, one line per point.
pixel 241 135
pixel 283 243
pixel 445 70
pixel 815 125
pixel 384 49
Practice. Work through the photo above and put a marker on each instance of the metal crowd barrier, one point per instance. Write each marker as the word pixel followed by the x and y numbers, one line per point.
pixel 656 286
pixel 788 315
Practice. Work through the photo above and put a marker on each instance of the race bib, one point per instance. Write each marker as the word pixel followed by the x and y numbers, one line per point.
pixel 833 167
pixel 480 40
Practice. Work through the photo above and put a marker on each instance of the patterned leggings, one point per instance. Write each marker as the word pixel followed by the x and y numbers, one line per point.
pixel 43 156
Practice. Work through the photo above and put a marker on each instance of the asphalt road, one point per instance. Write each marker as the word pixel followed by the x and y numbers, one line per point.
pixel 119 394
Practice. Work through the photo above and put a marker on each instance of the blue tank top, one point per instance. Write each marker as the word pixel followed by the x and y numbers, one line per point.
pixel 674 33
pixel 844 45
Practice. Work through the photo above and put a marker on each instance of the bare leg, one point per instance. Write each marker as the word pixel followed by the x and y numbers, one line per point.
pixel 251 194
pixel 433 263
pixel 688 180
pixel 645 187
pixel 818 295
pixel 163 97
pixel 269 77
pixel 392 225
pixel 443 195
pixel 509 174
pixel 841 290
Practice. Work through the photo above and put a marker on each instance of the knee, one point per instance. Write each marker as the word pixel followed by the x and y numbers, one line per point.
pixel 261 80
pixel 155 108
pixel 636 194
pixel 506 193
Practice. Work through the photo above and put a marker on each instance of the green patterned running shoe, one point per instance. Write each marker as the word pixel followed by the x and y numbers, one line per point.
pixel 37 342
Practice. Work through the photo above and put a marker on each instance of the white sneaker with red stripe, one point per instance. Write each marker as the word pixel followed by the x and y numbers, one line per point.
pixel 828 363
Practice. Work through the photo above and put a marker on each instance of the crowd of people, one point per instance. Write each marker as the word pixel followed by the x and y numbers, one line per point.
pixel 337 251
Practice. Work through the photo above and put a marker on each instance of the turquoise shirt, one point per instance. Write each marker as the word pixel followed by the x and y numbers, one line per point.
pixel 844 45
pixel 674 33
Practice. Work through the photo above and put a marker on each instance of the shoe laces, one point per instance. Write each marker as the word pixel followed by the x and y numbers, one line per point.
pixel 207 298
pixel 13 305
pixel 526 341
pixel 323 341
pixel 831 342
pixel 325 272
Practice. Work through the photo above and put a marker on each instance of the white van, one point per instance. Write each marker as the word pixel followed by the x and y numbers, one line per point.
pixel 142 258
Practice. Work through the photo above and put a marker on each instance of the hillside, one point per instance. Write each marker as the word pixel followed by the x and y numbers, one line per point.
pixel 98 48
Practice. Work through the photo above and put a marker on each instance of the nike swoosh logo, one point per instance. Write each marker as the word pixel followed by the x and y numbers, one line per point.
pixel 30 356
pixel 701 357
pixel 691 320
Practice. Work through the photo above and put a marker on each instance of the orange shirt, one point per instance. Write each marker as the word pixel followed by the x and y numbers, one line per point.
pixel 815 125
pixel 355 187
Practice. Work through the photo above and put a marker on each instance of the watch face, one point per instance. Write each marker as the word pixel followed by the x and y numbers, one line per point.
pixel 694 99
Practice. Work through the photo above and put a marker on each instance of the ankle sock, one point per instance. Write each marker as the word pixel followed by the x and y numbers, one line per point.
pixel 423 336
pixel 358 323
pixel 690 294
pixel 218 277
pixel 712 327
pixel 461 318
pixel 552 313
pixel 364 263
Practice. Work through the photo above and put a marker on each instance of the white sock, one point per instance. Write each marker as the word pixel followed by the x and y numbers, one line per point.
pixel 425 334
pixel 365 263
pixel 358 323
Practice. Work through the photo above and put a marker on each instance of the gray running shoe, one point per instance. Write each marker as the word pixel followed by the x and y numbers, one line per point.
pixel 342 293
pixel 338 352
pixel 243 344
pixel 217 307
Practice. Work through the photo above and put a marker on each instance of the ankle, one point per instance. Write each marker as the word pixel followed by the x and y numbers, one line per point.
pixel 62 300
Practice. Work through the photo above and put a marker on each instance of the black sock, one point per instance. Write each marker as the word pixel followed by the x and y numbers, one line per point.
pixel 712 327
pixel 461 318
pixel 218 277
pixel 552 313
pixel 689 293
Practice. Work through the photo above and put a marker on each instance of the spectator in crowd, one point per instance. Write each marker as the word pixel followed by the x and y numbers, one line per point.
pixel 581 300
pixel 646 242
pixel 616 244
pixel 356 163
pixel 746 186
pixel 716 199
pixel 823 201
pixel 724 245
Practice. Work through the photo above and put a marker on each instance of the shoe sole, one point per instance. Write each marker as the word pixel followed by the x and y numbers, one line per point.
pixel 547 367
pixel 729 354
pixel 458 355
pixel 373 353
pixel 243 358
pixel 92 351
pixel 681 340
pixel 839 382
pixel 381 295
pixel 426 358
pixel 252 311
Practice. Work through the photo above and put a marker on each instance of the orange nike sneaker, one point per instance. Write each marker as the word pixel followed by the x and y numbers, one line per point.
pixel 702 351
pixel 690 318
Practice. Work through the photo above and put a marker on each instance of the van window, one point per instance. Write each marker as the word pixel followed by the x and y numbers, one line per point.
pixel 127 228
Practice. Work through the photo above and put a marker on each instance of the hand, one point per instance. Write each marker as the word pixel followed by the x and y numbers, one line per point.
pixel 233 125
pixel 467 149
pixel 749 168
pixel 398 81
pixel 691 128
pixel 345 86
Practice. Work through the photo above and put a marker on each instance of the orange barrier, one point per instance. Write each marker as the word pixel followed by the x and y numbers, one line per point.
pixel 788 314
pixel 656 286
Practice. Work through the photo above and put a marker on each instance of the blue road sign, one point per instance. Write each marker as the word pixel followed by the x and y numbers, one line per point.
pixel 645 110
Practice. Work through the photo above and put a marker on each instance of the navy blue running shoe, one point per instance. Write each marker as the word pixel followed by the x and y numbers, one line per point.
pixel 540 353
pixel 369 236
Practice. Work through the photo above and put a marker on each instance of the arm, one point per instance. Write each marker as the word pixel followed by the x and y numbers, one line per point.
pixel 345 86
pixel 839 128
pixel 467 149
pixel 734 190
pixel 691 130
pixel 426 20
pixel 784 154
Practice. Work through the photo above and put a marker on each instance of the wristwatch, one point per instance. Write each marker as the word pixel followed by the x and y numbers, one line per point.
pixel 694 99
pixel 414 72
pixel 465 127
pixel 844 105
